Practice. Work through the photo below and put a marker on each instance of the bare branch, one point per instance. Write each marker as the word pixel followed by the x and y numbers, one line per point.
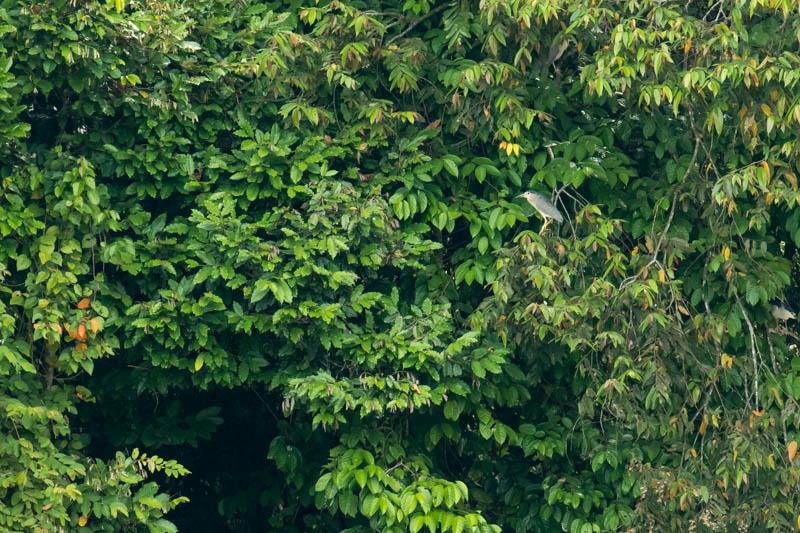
pixel 417 21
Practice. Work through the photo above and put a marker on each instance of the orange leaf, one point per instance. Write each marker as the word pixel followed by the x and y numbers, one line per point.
pixel 81 334
pixel 83 304
pixel 777 398
pixel 792 449
pixel 766 169
pixel 36 326
pixel 93 325
pixel 703 425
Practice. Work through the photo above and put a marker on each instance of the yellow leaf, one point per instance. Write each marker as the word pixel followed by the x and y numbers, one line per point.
pixel 83 520
pixel 198 363
pixel 766 169
pixel 771 461
pixel 661 276
pixel 694 452
pixel 727 361
pixel 726 253
pixel 767 111
pixel 798 521
pixel 683 310
pixel 509 148
pixel 792 449
pixel 777 397
pixel 704 425
pixel 634 251
pixel 791 178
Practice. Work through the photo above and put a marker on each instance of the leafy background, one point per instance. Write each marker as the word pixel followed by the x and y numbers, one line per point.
pixel 279 245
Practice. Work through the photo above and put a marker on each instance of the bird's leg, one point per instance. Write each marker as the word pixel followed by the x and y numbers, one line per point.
pixel 544 226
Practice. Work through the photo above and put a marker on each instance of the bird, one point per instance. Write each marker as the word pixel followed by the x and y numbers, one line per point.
pixel 544 206
pixel 783 312
pixel 557 50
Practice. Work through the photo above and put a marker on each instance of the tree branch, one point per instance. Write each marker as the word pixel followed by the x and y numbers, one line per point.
pixel 417 21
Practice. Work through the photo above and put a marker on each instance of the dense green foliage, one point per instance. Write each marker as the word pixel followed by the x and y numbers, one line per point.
pixel 280 245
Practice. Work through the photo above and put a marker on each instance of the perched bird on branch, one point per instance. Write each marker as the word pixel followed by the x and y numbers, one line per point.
pixel 545 208
pixel 783 312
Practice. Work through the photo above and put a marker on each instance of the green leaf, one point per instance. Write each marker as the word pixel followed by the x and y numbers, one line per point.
pixel 23 262
pixel 369 505
pixel 450 166
pixel 483 245
pixel 478 369
pixel 408 503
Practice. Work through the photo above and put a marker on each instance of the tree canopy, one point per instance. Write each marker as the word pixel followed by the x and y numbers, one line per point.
pixel 264 266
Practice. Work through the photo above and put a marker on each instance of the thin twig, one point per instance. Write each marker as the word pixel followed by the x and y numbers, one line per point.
pixel 675 199
pixel 657 249
pixel 417 21
pixel 752 344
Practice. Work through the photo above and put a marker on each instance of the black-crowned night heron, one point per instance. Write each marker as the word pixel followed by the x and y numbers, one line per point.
pixel 783 312
pixel 544 206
